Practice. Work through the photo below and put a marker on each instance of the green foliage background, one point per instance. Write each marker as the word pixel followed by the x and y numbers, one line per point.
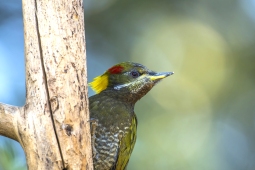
pixel 202 117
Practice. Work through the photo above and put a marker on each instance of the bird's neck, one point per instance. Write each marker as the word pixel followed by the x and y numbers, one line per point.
pixel 123 95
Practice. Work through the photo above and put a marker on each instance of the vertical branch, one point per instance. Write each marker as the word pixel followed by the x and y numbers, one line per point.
pixel 35 125
pixel 46 85
pixel 54 129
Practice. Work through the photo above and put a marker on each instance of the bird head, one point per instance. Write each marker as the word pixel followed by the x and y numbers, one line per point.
pixel 128 78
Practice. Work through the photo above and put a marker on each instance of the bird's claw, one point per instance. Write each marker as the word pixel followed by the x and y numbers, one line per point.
pixel 94 124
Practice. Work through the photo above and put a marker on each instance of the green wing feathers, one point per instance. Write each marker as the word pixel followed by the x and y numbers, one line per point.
pixel 127 144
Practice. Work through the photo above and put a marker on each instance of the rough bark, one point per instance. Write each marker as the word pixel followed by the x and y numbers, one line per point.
pixel 53 126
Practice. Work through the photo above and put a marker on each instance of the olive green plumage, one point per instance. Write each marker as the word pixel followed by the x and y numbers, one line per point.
pixel 113 121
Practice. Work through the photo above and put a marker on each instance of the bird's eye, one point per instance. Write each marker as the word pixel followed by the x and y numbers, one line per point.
pixel 135 74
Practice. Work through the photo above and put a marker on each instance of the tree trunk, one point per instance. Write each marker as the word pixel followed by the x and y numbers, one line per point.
pixel 53 126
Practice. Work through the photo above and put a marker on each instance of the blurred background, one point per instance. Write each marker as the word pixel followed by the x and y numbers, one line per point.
pixel 202 117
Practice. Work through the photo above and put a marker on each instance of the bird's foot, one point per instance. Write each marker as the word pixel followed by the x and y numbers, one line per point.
pixel 94 124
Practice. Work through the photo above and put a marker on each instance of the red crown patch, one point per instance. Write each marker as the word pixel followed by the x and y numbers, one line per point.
pixel 115 69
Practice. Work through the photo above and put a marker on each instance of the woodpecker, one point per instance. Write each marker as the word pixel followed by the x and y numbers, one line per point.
pixel 112 116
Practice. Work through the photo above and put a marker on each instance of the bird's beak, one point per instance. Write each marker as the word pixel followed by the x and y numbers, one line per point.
pixel 158 76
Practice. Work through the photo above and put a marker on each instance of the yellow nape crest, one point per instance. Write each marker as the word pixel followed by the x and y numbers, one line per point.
pixel 99 83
